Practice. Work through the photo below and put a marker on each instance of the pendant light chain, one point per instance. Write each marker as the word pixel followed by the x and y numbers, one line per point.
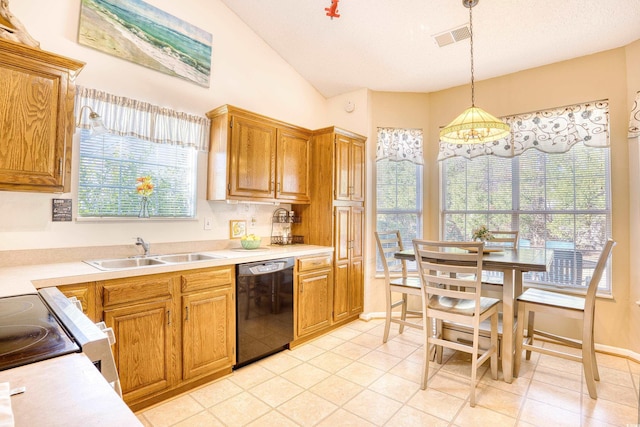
pixel 473 93
pixel 474 125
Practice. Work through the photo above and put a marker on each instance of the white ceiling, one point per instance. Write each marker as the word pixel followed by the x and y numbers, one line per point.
pixel 387 45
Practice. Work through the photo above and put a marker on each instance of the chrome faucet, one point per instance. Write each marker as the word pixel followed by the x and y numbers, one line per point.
pixel 145 245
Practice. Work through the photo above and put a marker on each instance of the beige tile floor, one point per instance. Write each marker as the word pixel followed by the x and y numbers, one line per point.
pixel 349 378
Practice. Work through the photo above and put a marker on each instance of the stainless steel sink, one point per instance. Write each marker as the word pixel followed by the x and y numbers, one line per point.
pixel 120 263
pixel 123 263
pixel 177 258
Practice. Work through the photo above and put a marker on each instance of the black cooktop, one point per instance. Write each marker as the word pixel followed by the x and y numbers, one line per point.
pixel 30 333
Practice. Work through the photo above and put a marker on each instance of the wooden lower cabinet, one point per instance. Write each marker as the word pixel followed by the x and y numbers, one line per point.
pixel 143 347
pixel 314 286
pixel 208 333
pixel 172 330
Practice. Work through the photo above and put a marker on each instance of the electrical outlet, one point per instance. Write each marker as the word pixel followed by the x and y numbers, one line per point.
pixel 252 223
pixel 208 223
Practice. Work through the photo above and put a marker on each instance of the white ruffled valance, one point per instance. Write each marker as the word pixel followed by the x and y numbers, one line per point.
pixel 130 117
pixel 398 144
pixel 550 131
pixel 634 120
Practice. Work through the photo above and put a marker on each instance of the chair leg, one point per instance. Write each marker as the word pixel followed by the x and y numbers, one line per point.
pixel 588 361
pixel 530 329
pixel 596 374
pixel 494 344
pixel 519 338
pixel 425 339
pixel 438 349
pixel 403 314
pixel 387 323
pixel 474 368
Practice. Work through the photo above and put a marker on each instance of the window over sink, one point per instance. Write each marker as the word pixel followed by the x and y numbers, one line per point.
pixel 149 156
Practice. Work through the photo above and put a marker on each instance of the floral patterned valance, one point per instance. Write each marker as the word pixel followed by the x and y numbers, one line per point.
pixel 550 131
pixel 131 117
pixel 398 144
pixel 634 120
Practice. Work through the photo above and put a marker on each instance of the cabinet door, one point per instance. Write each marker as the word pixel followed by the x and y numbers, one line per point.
pixel 208 339
pixel 36 119
pixel 342 217
pixel 142 351
pixel 86 294
pixel 342 167
pixel 252 161
pixel 293 166
pixel 357 171
pixel 314 301
pixel 33 151
pixel 356 266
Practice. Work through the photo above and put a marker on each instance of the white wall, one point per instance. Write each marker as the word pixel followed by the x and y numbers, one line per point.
pixel 245 72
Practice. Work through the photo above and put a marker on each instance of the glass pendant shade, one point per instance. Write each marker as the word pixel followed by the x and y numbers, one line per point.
pixel 474 126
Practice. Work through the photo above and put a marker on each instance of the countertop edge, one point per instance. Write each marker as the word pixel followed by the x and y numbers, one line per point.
pixel 27 279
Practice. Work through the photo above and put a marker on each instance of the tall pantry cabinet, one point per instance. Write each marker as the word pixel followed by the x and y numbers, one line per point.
pixel 335 216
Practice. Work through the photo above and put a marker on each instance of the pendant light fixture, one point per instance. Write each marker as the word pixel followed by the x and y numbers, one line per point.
pixel 474 125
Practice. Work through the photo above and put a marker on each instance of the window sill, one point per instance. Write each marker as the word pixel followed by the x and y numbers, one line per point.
pixel 131 219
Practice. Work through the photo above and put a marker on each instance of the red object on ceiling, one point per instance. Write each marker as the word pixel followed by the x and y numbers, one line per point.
pixel 332 11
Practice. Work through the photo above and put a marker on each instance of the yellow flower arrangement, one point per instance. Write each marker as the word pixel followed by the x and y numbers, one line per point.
pixel 144 186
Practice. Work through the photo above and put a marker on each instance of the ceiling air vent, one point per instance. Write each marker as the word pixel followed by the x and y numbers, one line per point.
pixel 452 36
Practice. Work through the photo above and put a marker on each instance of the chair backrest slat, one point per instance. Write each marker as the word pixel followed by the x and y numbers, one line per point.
pixel 448 270
pixel 390 242
pixel 504 239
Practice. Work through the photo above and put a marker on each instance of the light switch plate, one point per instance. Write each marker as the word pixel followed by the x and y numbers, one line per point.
pixel 208 223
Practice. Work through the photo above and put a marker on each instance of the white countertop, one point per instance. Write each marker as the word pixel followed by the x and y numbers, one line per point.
pixel 66 391
pixel 27 279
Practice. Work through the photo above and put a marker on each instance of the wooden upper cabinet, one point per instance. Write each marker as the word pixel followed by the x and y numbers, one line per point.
pixel 293 151
pixel 349 168
pixel 252 157
pixel 36 118
pixel 252 160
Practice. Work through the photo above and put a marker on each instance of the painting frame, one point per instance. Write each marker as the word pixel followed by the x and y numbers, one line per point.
pixel 138 32
pixel 237 228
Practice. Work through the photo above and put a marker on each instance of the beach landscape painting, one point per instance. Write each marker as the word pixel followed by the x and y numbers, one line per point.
pixel 141 33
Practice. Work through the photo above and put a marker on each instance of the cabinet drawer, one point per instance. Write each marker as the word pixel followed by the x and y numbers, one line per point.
pixel 134 289
pixel 314 262
pixel 208 278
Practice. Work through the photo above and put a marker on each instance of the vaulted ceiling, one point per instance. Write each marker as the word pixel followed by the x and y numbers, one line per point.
pixel 389 45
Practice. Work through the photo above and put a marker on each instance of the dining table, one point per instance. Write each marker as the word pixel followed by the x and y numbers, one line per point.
pixel 512 263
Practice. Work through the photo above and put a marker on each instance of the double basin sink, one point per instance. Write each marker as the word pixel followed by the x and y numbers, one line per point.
pixel 135 262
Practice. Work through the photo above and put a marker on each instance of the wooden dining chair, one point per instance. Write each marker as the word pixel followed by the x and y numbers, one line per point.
pixel 397 280
pixel 451 292
pixel 534 301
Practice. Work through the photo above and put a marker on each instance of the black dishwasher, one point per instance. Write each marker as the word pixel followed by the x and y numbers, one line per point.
pixel 264 309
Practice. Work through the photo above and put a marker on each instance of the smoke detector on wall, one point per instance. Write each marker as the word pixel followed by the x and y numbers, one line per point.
pixel 452 36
